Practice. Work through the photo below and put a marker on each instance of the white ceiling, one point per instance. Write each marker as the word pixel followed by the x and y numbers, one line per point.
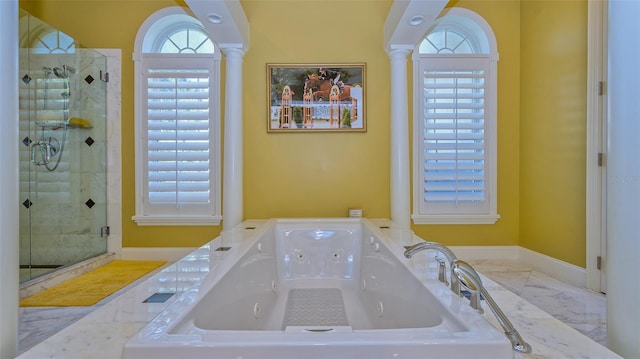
pixel 224 20
pixel 408 22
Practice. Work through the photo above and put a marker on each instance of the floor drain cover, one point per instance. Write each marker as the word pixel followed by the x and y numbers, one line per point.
pixel 315 307
pixel 158 298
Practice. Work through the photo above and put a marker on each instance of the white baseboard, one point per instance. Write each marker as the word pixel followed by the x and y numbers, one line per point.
pixel 486 252
pixel 169 254
pixel 556 268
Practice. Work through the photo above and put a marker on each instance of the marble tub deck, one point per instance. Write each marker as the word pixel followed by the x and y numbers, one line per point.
pixel 559 320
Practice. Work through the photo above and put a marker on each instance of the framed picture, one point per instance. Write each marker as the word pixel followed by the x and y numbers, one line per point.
pixel 316 97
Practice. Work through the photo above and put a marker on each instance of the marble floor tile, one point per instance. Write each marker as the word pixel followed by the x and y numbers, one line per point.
pixel 39 323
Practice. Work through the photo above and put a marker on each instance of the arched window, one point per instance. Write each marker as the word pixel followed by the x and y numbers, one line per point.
pixel 177 121
pixel 54 42
pixel 455 69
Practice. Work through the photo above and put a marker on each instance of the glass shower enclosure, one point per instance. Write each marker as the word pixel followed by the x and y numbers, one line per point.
pixel 62 141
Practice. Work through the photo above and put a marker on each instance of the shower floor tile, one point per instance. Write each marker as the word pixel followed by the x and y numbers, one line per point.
pixel 29 273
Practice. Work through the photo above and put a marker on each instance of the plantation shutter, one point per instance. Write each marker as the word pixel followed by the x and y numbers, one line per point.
pixel 179 159
pixel 454 140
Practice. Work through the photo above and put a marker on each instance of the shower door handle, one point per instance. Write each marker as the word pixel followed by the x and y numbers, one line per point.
pixel 45 150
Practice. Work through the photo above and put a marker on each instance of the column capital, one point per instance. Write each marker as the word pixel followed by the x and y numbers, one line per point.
pixel 395 51
pixel 233 51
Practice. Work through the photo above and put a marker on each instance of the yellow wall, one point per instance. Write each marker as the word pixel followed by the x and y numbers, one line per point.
pixel 553 128
pixel 316 174
pixel 323 174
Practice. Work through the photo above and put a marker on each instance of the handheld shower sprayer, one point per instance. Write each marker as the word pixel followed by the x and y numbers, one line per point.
pixel 63 72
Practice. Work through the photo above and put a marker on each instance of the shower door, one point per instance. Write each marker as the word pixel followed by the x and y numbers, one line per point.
pixel 62 141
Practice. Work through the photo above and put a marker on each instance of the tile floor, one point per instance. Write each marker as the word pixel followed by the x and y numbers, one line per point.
pixel 579 308
pixel 36 324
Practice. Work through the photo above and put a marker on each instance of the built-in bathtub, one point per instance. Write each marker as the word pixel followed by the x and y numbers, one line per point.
pixel 318 288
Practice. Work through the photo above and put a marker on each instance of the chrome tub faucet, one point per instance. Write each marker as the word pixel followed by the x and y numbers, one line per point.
pixel 461 273
pixel 451 257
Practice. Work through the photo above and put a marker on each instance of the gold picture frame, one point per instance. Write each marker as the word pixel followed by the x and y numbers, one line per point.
pixel 316 97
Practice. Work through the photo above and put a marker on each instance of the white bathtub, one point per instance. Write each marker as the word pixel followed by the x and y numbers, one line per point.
pixel 330 288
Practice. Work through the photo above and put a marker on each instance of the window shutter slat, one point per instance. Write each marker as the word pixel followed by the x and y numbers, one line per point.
pixel 202 156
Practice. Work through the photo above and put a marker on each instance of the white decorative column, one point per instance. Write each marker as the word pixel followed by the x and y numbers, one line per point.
pixel 623 180
pixel 232 179
pixel 400 190
pixel 9 216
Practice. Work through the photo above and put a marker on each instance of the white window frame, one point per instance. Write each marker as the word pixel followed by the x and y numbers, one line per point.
pixel 481 36
pixel 192 215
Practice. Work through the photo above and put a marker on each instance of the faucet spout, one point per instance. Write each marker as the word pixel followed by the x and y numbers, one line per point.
pixel 451 258
pixel 411 251
pixel 471 279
